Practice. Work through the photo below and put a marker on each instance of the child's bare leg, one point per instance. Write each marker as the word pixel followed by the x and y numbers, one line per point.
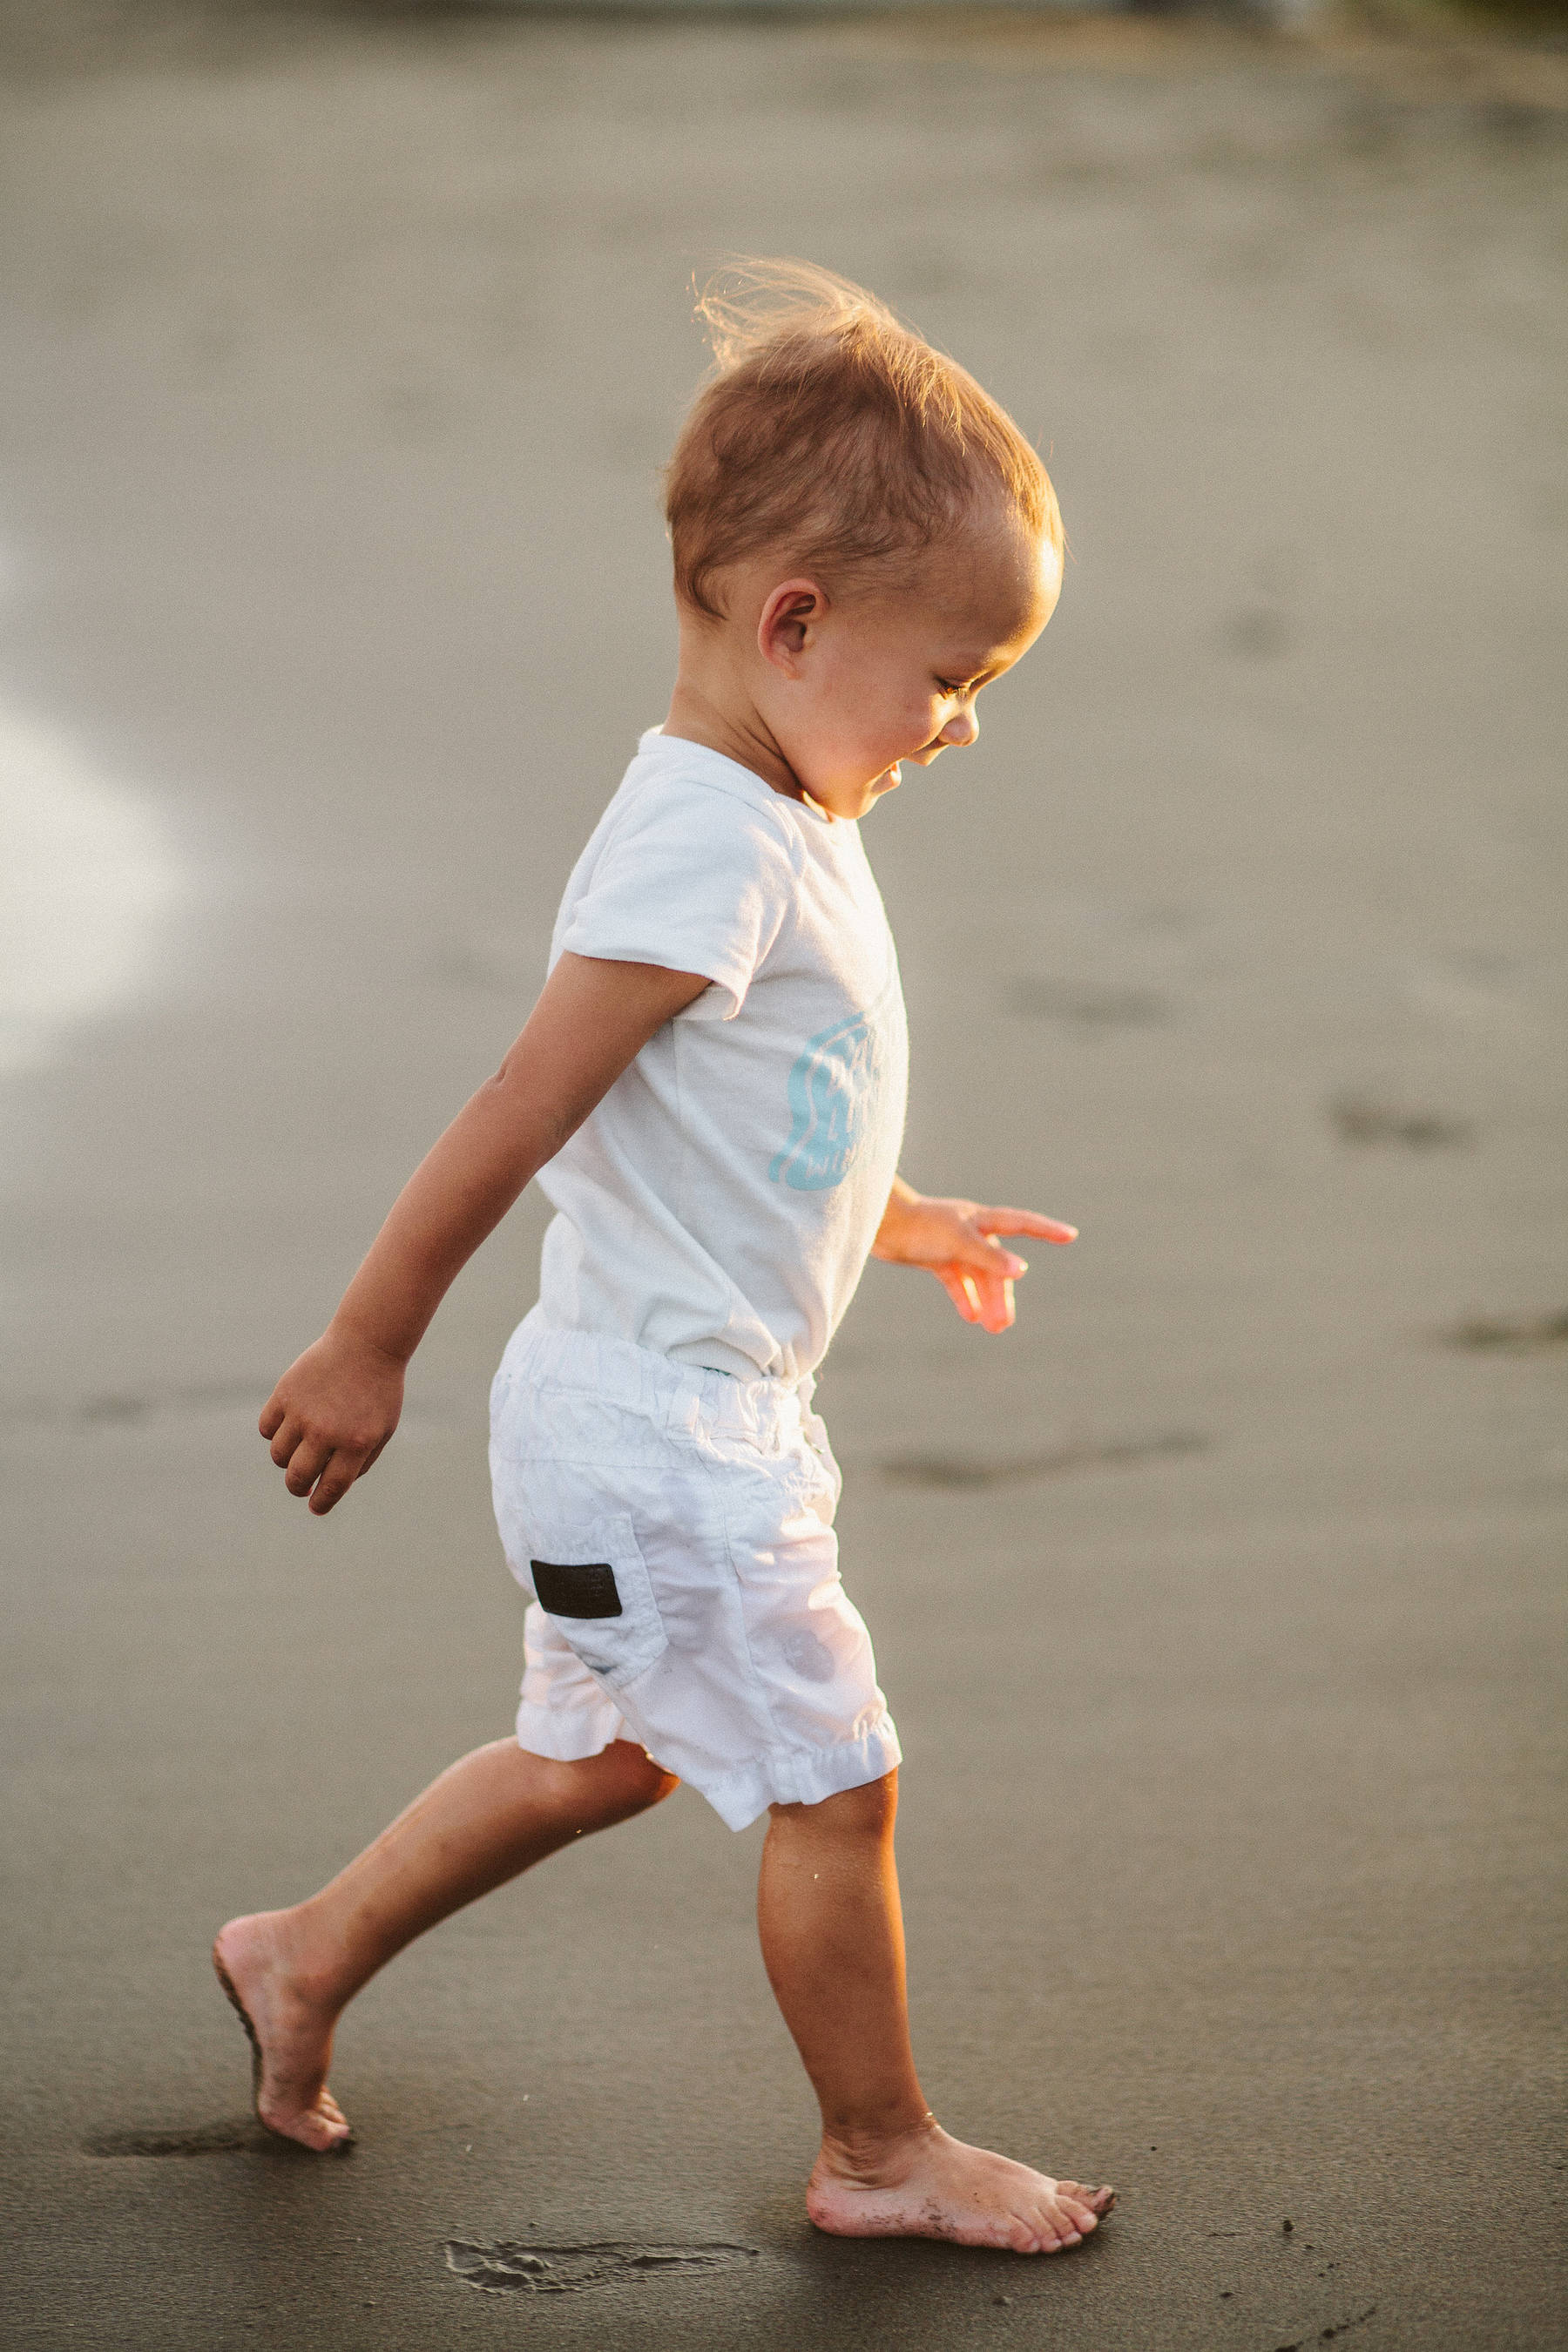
pixel 833 1940
pixel 490 1815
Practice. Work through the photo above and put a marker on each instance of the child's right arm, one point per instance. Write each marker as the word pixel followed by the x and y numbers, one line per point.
pixel 335 1408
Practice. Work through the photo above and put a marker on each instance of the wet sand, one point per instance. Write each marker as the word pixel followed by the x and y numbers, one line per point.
pixel 1221 1603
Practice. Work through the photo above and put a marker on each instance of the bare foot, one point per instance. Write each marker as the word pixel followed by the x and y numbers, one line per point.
pixel 927 2185
pixel 291 2035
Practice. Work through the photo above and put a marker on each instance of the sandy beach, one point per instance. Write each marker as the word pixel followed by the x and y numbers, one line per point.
pixel 1221 1603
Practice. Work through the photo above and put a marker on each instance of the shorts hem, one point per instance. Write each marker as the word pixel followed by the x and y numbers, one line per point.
pixel 563 1738
pixel 786 1776
pixel 799 1776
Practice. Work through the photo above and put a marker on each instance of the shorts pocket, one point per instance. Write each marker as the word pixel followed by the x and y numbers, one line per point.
pixel 592 1583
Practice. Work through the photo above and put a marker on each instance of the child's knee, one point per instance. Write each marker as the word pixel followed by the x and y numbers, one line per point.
pixel 640 1781
pixel 864 1812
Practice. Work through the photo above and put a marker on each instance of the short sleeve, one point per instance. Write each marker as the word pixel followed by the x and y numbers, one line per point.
pixel 692 877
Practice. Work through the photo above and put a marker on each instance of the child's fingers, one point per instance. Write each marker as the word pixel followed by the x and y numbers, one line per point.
pixel 989 1260
pixel 306 1464
pixel 336 1479
pixel 961 1289
pixel 979 1298
pixel 272 1416
pixel 1023 1220
pixel 998 1309
pixel 993 1296
pixel 286 1435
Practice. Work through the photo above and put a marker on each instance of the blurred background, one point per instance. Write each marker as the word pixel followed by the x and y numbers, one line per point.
pixel 1220 1603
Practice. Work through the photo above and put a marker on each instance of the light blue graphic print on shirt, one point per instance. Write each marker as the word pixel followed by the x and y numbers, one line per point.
pixel 833 1090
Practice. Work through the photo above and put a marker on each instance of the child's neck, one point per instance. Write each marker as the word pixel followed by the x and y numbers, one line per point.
pixel 709 705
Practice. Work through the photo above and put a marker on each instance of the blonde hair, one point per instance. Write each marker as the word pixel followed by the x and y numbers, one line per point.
pixel 833 433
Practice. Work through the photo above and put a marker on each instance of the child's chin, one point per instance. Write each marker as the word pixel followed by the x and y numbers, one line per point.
pixel 854 800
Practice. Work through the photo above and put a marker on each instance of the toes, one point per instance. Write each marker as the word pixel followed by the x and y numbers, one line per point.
pixel 1086 2205
pixel 1071 2205
pixel 332 2116
pixel 309 2131
pixel 324 2135
pixel 1032 2238
pixel 321 2127
pixel 1049 2231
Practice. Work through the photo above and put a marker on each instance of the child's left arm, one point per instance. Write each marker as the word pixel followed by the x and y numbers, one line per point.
pixel 955 1240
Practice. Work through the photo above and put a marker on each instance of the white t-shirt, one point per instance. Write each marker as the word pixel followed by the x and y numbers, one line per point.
pixel 719 1204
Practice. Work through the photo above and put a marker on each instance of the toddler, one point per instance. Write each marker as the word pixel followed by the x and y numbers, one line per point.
pixel 711 1091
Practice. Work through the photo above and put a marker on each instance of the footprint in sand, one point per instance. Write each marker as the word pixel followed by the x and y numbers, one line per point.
pixel 506 2267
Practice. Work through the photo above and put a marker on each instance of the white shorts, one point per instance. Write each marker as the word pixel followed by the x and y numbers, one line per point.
pixel 675 1528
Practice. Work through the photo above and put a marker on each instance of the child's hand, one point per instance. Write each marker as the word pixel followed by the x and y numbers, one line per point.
pixel 331 1415
pixel 956 1241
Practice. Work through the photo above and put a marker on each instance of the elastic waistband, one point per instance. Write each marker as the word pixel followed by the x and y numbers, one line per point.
pixel 674 1395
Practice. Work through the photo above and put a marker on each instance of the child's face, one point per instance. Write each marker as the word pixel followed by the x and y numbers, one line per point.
pixel 851 689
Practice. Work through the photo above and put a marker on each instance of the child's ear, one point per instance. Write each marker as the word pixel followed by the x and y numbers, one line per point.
pixel 790 620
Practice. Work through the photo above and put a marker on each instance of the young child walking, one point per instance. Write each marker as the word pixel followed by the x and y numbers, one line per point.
pixel 710 1092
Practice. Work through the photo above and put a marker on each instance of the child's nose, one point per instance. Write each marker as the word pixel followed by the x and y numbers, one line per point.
pixel 962 727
